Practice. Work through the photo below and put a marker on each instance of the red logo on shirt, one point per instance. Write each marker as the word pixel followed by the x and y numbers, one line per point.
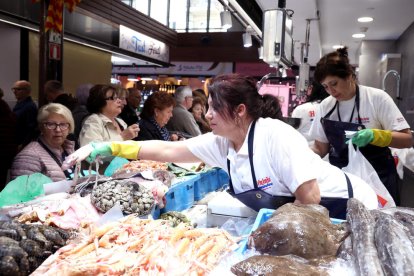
pixel 312 113
pixel 264 183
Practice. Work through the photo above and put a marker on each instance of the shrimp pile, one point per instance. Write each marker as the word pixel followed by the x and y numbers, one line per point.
pixel 143 165
pixel 134 246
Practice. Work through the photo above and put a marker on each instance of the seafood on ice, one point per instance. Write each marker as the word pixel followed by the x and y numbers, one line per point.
pixel 69 212
pixel 136 246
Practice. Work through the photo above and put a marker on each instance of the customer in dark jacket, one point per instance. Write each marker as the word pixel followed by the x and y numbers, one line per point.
pixel 26 113
pixel 129 112
pixel 55 93
pixel 155 115
pixel 8 143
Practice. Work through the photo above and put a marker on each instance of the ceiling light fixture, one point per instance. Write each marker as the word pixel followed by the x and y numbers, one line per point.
pixel 132 78
pixel 338 46
pixel 146 78
pixel 260 50
pixel 358 35
pixel 365 19
pixel 247 37
pixel 247 40
pixel 225 17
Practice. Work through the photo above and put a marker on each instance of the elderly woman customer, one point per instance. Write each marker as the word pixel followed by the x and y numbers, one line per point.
pixel 198 112
pixel 105 104
pixel 47 154
pixel 155 115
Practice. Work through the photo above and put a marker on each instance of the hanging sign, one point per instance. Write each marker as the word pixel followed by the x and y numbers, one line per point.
pixel 181 68
pixel 144 45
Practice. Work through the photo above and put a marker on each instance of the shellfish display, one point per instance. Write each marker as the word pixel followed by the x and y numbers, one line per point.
pixel 23 247
pixel 132 197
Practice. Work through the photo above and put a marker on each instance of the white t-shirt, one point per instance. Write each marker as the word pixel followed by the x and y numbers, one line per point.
pixel 376 110
pixel 282 162
pixel 306 112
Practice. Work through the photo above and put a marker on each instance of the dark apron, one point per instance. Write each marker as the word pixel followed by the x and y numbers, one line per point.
pixel 257 198
pixel 379 157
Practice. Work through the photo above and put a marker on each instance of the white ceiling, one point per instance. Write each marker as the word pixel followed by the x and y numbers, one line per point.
pixel 338 21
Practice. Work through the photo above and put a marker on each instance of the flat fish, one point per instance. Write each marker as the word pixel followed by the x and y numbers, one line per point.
pixel 395 249
pixel 363 244
pixel 276 265
pixel 301 230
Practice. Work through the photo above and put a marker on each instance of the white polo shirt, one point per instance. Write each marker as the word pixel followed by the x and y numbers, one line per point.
pixel 376 110
pixel 282 161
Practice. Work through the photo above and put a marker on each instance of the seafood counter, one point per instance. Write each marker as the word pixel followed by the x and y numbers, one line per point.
pixel 110 226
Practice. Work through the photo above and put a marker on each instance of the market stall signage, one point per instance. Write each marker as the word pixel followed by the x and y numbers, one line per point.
pixel 136 42
pixel 180 69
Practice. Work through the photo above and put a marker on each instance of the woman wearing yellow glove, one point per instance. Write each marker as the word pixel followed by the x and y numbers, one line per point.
pixel 269 163
pixel 352 107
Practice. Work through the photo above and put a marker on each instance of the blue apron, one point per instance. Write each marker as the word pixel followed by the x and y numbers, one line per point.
pixel 257 198
pixel 379 157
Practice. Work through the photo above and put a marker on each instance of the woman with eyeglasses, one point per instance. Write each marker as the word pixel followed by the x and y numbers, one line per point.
pixel 105 104
pixel 47 153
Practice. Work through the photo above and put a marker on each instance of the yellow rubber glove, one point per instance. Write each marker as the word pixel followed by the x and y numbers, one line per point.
pixel 126 149
pixel 376 137
pixel 382 138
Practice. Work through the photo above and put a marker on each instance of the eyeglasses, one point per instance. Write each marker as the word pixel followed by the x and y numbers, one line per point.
pixel 114 98
pixel 53 126
pixel 18 88
pixel 189 97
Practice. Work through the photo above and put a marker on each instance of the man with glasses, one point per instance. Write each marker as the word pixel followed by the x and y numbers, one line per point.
pixel 26 112
pixel 130 111
pixel 182 120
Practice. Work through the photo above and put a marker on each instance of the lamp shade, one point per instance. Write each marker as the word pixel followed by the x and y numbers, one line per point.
pixel 247 40
pixel 225 17
pixel 260 50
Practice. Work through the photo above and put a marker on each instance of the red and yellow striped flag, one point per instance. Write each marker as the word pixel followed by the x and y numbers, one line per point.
pixel 55 13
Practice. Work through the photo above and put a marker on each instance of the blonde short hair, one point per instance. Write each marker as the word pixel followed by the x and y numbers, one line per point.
pixel 55 108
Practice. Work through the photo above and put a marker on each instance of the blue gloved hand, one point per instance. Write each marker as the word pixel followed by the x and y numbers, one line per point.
pixel 102 149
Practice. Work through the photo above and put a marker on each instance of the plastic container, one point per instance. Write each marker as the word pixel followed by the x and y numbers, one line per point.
pixel 180 196
pixel 206 184
pixel 222 179
pixel 210 181
pixel 263 215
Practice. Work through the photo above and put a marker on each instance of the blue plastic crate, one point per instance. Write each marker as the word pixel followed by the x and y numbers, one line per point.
pixel 180 196
pixel 263 215
pixel 208 182
pixel 222 179
pixel 201 186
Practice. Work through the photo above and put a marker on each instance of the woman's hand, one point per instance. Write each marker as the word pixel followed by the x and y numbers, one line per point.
pixel 131 132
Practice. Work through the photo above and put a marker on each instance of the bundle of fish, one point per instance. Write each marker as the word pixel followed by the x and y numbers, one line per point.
pixel 298 238
pixel 132 197
pixel 23 247
pixel 382 242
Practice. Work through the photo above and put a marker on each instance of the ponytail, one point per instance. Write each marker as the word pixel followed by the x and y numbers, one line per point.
pixel 271 107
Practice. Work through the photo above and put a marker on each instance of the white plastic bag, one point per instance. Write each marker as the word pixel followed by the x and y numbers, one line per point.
pixel 358 165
